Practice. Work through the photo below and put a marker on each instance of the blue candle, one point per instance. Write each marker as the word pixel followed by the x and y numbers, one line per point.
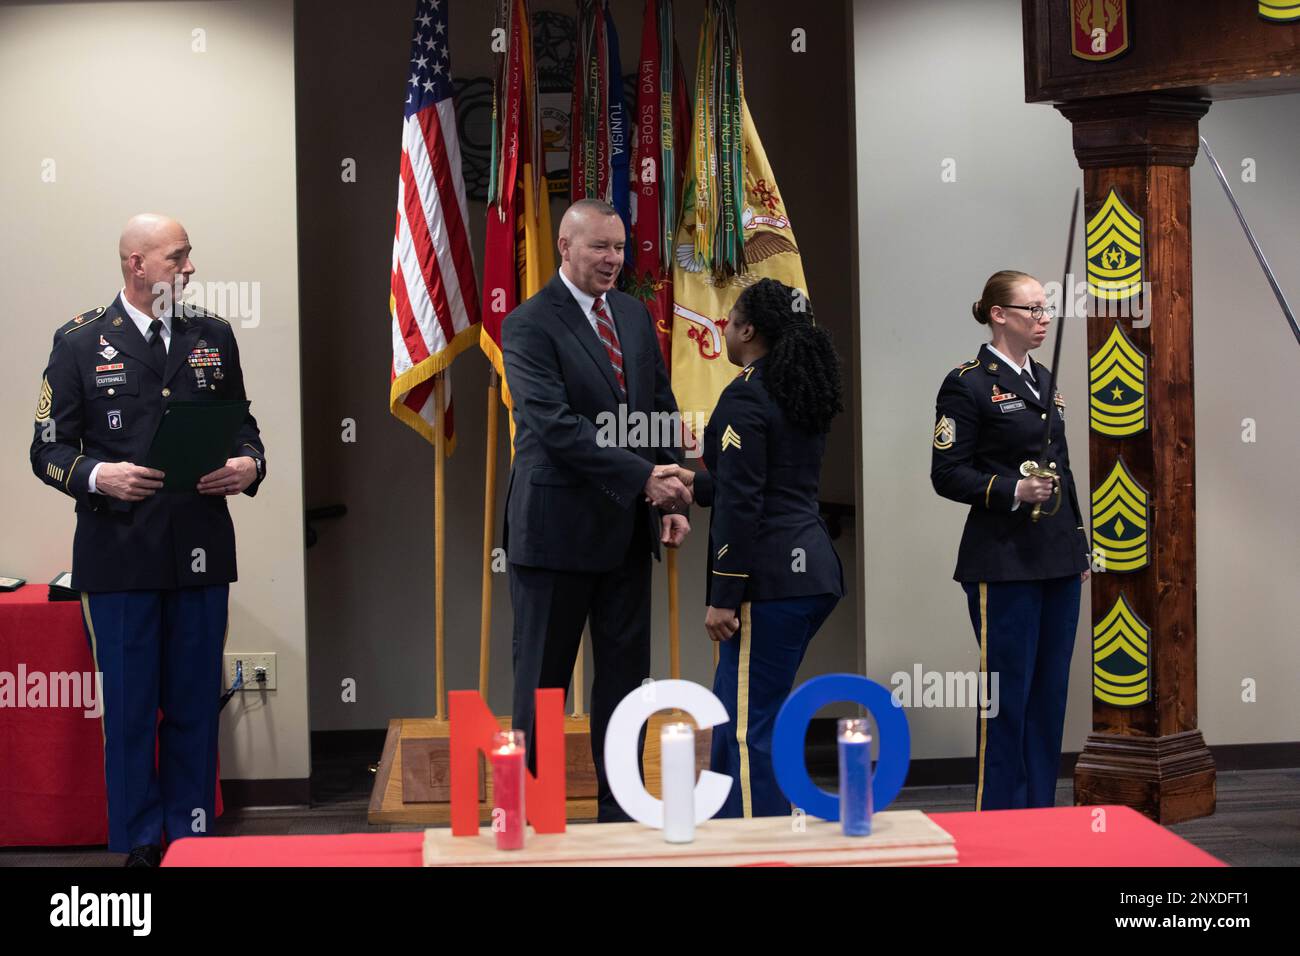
pixel 855 777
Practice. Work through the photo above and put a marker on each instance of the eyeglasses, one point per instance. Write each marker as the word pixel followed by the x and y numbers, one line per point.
pixel 1036 312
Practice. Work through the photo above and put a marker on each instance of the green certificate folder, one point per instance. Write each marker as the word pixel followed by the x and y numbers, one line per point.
pixel 193 439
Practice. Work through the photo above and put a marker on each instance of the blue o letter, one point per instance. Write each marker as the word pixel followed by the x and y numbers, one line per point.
pixel 895 742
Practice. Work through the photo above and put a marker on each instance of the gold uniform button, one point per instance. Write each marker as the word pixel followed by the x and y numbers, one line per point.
pixel 112 391
pixel 1042 416
pixel 167 393
pixel 1052 465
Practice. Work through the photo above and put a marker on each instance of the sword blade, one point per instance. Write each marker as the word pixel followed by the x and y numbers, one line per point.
pixel 1060 327
pixel 1254 244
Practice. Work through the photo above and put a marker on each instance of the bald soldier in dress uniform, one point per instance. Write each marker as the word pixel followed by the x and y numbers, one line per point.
pixel 154 568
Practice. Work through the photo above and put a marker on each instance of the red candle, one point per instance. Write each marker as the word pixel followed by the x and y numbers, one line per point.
pixel 508 789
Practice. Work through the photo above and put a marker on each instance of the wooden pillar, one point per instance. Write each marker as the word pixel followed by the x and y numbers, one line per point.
pixel 1149 755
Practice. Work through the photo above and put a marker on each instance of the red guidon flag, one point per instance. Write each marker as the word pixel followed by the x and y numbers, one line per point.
pixel 433 297
pixel 519 258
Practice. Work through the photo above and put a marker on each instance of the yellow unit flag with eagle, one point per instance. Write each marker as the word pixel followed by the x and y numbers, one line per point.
pixel 702 302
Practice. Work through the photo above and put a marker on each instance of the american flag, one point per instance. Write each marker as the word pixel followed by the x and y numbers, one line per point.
pixel 434 298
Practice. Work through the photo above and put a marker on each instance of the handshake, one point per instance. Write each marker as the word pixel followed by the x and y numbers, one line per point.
pixel 669 487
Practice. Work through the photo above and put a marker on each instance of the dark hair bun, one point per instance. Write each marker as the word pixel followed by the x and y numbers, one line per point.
pixel 976 311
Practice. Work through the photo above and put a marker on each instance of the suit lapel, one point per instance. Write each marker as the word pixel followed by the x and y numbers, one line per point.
pixel 126 337
pixel 567 309
pixel 185 332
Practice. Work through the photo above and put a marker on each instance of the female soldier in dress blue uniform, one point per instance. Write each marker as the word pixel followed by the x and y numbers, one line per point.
pixel 774 576
pixel 1022 576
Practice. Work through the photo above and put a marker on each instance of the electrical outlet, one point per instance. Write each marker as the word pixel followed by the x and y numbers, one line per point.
pixel 251 663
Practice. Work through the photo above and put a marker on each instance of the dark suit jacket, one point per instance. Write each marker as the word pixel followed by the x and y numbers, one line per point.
pixel 105 397
pixel 980 440
pixel 575 497
pixel 767 539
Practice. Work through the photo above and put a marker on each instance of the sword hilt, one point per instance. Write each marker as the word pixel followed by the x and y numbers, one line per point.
pixel 1032 469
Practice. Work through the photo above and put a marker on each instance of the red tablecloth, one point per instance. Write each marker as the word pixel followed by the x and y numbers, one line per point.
pixel 52 785
pixel 1060 836
pixel 51 759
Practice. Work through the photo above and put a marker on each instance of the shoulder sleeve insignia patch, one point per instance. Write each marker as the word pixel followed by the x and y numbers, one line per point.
pixel 45 404
pixel 730 439
pixel 945 433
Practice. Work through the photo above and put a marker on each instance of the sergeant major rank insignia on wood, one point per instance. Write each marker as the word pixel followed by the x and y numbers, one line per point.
pixel 1120 646
pixel 1279 11
pixel 1114 239
pixel 1121 517
pixel 1117 387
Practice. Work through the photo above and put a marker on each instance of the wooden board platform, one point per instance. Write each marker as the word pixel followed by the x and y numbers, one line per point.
pixel 899 838
pixel 413 782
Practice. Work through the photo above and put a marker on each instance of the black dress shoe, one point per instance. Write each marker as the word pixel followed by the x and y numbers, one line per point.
pixel 144 856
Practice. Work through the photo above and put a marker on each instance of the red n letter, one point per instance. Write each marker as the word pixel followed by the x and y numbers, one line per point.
pixel 472 727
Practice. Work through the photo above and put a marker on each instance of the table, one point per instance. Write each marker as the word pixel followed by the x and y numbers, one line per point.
pixel 52 788
pixel 1058 836
pixel 52 758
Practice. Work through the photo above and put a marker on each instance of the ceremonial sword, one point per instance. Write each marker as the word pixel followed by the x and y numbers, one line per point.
pixel 1033 469
pixel 1250 237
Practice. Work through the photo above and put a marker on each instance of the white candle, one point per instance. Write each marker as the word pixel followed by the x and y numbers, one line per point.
pixel 677 773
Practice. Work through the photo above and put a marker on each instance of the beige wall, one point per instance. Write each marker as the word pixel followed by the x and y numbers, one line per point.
pixel 937 81
pixel 136 121
pixel 370 578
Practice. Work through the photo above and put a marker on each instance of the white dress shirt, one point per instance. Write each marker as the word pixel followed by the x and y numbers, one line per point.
pixel 1027 367
pixel 585 302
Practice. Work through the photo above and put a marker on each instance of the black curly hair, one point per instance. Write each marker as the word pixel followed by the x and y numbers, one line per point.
pixel 803 370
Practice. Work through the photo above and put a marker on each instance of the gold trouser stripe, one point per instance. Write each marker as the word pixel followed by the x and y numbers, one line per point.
pixel 742 712
pixel 984 670
pixel 988 489
pixel 94 657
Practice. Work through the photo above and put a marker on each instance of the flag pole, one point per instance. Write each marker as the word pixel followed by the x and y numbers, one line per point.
pixel 489 515
pixel 439 544
pixel 674 625
pixel 579 684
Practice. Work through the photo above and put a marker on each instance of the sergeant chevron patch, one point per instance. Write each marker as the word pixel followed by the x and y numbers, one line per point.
pixel 1114 250
pixel 1117 387
pixel 1120 519
pixel 1119 657
pixel 44 404
pixel 730 439
pixel 945 433
pixel 1279 11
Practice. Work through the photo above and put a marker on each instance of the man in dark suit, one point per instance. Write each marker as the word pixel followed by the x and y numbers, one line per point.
pixel 154 567
pixel 583 511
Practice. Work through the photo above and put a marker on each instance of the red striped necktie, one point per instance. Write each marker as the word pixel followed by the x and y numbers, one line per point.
pixel 609 338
